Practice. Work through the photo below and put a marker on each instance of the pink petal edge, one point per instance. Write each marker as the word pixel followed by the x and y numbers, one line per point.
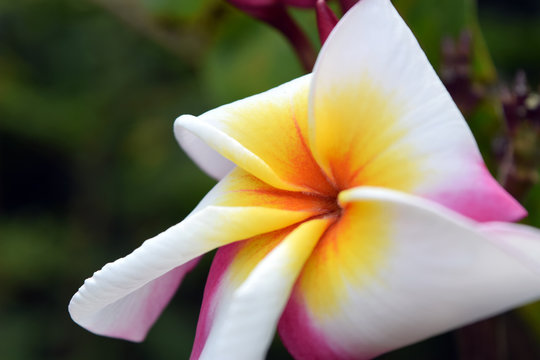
pixel 223 258
pixel 300 337
pixel 481 199
pixel 132 319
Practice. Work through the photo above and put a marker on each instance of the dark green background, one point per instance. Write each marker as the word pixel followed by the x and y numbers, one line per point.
pixel 89 167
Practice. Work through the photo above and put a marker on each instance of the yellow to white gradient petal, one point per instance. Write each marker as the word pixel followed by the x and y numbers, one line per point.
pixel 404 270
pixel 351 251
pixel 243 189
pixel 359 140
pixel 219 219
pixel 380 116
pixel 248 286
pixel 266 135
pixel 363 179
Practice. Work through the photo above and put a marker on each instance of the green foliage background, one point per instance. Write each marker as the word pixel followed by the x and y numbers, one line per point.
pixel 89 167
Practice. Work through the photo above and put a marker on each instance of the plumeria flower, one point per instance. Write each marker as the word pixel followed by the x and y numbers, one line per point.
pixel 354 214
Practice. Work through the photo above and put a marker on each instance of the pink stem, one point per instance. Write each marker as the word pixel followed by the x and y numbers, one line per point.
pixel 346 5
pixel 326 19
pixel 275 15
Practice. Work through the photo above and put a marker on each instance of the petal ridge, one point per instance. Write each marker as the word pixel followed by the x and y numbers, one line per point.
pixel 431 259
pixel 240 313
pixel 375 92
pixel 211 224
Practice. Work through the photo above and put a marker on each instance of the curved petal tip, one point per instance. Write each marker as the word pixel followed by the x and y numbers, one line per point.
pixel 206 158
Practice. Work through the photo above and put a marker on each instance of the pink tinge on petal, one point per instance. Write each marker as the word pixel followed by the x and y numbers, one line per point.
pixel 140 310
pixel 300 337
pixel 481 198
pixel 223 258
pixel 163 290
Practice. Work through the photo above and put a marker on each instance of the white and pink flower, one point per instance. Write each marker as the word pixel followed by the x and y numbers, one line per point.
pixel 354 214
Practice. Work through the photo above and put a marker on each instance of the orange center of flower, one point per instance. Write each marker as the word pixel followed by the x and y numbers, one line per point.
pixel 328 203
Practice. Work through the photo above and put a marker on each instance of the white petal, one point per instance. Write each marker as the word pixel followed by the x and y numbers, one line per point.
pixel 232 211
pixel 264 134
pixel 522 241
pixel 401 269
pixel 131 317
pixel 380 116
pixel 209 160
pixel 247 313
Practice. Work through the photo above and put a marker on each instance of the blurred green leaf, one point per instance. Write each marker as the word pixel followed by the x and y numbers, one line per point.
pixel 91 95
pixel 180 9
pixel 432 21
pixel 32 252
pixel 247 57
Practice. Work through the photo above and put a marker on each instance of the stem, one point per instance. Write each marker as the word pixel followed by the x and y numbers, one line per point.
pixel 299 41
pixel 278 17
pixel 275 15
pixel 326 19
pixel 346 5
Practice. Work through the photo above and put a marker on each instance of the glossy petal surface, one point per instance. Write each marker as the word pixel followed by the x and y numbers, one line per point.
pixel 208 159
pixel 129 284
pixel 266 135
pixel 380 116
pixel 355 198
pixel 247 290
pixel 397 269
